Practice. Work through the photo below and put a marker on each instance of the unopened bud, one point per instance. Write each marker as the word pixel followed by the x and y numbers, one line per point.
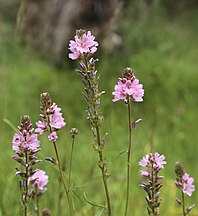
pixel 128 73
pixel 80 33
pixel 46 212
pixel 74 132
pixel 45 101
pixel 179 169
pixel 25 122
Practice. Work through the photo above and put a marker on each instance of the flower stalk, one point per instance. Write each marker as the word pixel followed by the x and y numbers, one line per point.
pixel 154 162
pixel 25 144
pixel 128 154
pixel 73 133
pixel 185 183
pixel 82 49
pixel 52 121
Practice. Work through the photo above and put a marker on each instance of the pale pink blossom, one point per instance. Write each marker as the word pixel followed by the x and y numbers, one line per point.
pixel 28 142
pixel 82 45
pixel 159 161
pixel 41 127
pixel 17 141
pixel 53 137
pixel 188 186
pixel 145 161
pixel 144 174
pixel 56 118
pixel 128 87
pixel 39 179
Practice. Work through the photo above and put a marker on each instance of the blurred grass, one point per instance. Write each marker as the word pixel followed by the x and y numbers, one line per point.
pixel 163 53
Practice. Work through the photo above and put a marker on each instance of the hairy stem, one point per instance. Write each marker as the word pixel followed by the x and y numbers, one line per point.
pixel 128 155
pixel 102 167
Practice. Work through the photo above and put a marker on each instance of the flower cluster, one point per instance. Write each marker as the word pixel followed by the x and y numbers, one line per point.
pixel 26 145
pixel 188 186
pixel 83 44
pixel 25 140
pixel 52 118
pixel 128 87
pixel 183 180
pixel 185 183
pixel 38 180
pixel 154 163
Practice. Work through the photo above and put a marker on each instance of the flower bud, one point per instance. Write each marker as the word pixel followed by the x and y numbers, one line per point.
pixel 46 212
pixel 74 132
pixel 45 101
pixel 128 73
pixel 179 169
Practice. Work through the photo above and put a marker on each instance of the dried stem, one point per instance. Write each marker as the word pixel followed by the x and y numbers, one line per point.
pixel 128 155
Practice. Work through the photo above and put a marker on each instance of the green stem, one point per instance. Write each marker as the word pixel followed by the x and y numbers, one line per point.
pixel 60 170
pixel 128 155
pixel 26 183
pixel 70 164
pixel 183 203
pixel 104 178
pixel 37 202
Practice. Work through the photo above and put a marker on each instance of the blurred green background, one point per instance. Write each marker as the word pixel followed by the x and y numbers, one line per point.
pixel 159 41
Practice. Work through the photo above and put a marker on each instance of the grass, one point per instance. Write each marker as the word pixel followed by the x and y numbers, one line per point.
pixel 162 52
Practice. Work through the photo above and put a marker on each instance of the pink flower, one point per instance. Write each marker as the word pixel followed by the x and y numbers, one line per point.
pixel 39 179
pixel 17 141
pixel 128 87
pixel 159 161
pixel 156 159
pixel 29 142
pixel 53 136
pixel 188 187
pixel 82 45
pixel 41 127
pixel 145 161
pixel 120 92
pixel 135 90
pixel 56 118
pixel 144 174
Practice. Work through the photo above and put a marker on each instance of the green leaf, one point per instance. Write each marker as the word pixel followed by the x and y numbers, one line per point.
pixel 93 204
pixel 99 213
pixel 9 123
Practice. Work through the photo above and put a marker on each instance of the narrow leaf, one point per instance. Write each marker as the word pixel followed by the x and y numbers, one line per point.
pixel 9 123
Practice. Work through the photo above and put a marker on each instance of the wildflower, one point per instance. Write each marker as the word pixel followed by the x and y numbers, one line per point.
pixel 41 127
pixel 25 139
pixel 154 163
pixel 188 187
pixel 56 119
pixel 53 136
pixel 128 87
pixel 52 118
pixel 39 179
pixel 185 183
pixel 83 43
pixel 26 144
